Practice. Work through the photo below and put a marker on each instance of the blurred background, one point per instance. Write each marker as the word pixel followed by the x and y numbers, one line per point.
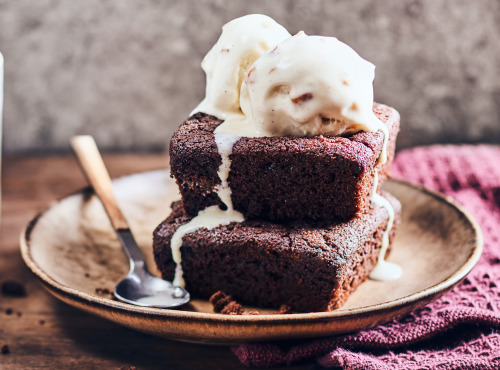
pixel 128 72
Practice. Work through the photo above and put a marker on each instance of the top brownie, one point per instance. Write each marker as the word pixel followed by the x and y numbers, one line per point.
pixel 316 178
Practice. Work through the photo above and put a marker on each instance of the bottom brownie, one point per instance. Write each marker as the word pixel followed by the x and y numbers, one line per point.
pixel 268 265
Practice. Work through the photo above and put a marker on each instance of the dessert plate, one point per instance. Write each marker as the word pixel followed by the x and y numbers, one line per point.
pixel 73 250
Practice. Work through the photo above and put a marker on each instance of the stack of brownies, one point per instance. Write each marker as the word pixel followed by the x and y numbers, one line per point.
pixel 311 232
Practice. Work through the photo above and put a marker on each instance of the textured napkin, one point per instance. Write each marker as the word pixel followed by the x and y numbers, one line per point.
pixel 458 331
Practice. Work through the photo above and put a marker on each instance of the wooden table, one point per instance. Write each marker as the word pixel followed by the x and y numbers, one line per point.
pixel 44 333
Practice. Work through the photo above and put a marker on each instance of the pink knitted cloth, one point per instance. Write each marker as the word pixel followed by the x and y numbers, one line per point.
pixel 459 330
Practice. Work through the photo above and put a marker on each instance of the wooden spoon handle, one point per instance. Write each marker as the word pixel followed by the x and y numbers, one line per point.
pixel 94 169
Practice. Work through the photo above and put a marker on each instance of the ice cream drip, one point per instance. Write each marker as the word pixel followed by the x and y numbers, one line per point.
pixel 384 270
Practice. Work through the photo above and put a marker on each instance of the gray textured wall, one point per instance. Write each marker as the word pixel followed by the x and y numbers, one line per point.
pixel 128 71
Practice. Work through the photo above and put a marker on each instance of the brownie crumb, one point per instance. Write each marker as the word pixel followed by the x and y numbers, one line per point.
pixel 233 308
pixel 9 311
pixel 5 349
pixel 42 322
pixel 225 304
pixel 253 313
pixel 103 291
pixel 285 309
pixel 11 288
pixel 219 300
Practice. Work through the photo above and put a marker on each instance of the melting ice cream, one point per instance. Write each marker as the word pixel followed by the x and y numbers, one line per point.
pixel 242 42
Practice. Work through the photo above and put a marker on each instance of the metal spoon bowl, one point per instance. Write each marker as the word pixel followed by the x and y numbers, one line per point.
pixel 139 287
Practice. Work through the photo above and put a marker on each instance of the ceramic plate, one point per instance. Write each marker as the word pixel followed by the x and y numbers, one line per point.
pixel 72 249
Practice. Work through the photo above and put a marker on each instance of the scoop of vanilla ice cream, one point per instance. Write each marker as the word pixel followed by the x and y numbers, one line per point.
pixel 243 40
pixel 309 85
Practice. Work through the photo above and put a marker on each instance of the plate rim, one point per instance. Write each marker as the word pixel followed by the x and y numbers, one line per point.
pixel 59 289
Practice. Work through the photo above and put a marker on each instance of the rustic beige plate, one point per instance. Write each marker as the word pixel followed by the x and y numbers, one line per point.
pixel 71 248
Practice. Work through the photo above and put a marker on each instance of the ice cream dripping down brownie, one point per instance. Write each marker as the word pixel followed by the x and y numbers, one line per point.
pixel 281 112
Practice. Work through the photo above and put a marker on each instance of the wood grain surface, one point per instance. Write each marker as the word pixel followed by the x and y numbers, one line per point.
pixel 44 333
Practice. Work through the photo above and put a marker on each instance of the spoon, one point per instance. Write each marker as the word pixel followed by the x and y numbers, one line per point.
pixel 140 287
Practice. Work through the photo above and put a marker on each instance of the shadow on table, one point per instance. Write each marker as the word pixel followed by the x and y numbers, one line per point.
pixel 106 343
